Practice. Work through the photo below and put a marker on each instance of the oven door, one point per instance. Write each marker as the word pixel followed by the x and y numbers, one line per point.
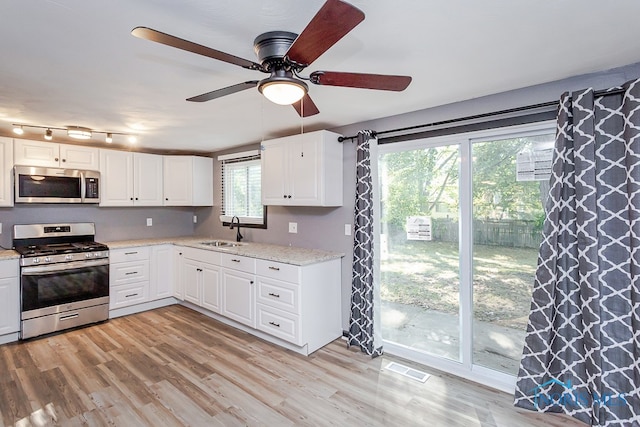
pixel 56 288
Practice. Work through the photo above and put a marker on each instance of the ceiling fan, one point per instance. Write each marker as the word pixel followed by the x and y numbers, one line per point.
pixel 283 55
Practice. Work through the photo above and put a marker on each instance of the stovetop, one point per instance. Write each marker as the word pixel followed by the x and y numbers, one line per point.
pixel 40 244
pixel 59 248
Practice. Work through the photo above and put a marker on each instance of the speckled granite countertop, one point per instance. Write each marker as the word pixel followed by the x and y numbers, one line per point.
pixel 284 254
pixel 8 254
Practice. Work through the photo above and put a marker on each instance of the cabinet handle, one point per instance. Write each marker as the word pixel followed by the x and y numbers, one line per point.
pixel 274 295
pixel 251 282
pixel 56 159
pixel 131 295
pixel 285 196
pixel 198 269
pixel 235 260
pixel 130 253
pixel 64 160
pixel 136 198
pixel 130 273
pixel 166 198
pixel 289 196
pixel 277 325
pixel 131 198
pixel 274 268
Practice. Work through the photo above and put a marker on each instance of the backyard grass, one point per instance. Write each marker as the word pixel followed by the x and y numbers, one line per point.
pixel 426 274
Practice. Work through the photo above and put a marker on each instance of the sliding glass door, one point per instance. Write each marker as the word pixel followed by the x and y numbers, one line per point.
pixel 460 225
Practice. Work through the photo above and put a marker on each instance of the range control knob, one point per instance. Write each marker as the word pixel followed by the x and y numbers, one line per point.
pixel 47 259
pixel 68 257
pixel 88 255
pixel 36 260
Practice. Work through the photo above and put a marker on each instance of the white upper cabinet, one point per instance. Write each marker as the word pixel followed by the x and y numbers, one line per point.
pixel 6 166
pixel 130 179
pixel 188 181
pixel 47 154
pixel 302 170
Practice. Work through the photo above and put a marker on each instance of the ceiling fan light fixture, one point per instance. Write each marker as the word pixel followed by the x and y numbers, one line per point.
pixel 79 132
pixel 48 135
pixel 18 130
pixel 282 90
pixel 109 138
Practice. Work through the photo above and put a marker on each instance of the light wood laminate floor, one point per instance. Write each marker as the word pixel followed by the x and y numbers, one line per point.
pixel 173 366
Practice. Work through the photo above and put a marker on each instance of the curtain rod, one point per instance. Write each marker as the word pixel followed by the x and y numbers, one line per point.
pixel 613 91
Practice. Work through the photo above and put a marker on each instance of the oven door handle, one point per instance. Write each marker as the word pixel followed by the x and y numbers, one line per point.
pixel 64 266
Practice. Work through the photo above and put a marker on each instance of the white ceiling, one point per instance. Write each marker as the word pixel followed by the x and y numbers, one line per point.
pixel 74 62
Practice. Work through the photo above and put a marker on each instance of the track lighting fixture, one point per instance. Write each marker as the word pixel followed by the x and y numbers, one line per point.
pixel 76 132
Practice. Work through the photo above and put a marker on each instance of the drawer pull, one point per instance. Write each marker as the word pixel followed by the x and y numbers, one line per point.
pixel 274 268
pixel 198 269
pixel 271 294
pixel 277 325
pixel 131 295
pixel 130 273
pixel 131 253
pixel 235 260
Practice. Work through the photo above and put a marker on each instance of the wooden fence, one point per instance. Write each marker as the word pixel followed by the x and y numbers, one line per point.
pixel 512 233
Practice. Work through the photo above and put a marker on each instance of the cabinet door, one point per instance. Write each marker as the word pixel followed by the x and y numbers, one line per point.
pixel 178 275
pixel 78 157
pixel 210 287
pixel 147 179
pixel 116 176
pixel 305 174
pixel 161 272
pixel 238 297
pixel 6 169
pixel 178 181
pixel 9 305
pixel 191 273
pixel 36 153
pixel 274 170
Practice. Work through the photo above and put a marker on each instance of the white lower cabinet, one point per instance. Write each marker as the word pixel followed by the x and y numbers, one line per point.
pixel 299 304
pixel 161 272
pixel 200 274
pixel 9 297
pixel 238 288
pixel 128 277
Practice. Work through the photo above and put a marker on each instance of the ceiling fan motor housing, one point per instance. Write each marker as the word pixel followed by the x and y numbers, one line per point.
pixel 271 47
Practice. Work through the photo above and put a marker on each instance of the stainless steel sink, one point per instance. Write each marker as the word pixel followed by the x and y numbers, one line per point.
pixel 221 244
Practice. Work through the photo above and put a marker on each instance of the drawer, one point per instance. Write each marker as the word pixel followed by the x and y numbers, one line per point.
pixel 201 255
pixel 128 272
pixel 126 295
pixel 237 262
pixel 128 254
pixel 278 270
pixel 282 295
pixel 280 324
pixel 9 268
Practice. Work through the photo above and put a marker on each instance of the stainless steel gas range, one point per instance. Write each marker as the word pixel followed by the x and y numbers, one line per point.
pixel 64 277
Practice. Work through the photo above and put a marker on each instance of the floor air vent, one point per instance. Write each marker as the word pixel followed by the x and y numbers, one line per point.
pixel 407 372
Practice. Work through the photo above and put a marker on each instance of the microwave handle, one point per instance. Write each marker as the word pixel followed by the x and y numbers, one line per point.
pixel 83 187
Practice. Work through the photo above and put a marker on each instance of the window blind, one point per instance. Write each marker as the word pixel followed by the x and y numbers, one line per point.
pixel 241 189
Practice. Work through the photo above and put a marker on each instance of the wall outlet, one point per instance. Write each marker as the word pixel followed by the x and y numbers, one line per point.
pixel 347 229
pixel 149 222
pixel 293 227
pixel 195 219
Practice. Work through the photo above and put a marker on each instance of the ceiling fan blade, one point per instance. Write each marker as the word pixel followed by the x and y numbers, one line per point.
pixel 223 92
pixel 360 80
pixel 306 107
pixel 169 40
pixel 332 22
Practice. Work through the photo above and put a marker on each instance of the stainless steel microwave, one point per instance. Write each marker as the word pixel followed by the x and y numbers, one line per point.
pixel 54 185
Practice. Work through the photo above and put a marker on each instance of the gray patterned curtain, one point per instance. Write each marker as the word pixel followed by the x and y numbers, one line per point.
pixel 582 352
pixel 361 323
